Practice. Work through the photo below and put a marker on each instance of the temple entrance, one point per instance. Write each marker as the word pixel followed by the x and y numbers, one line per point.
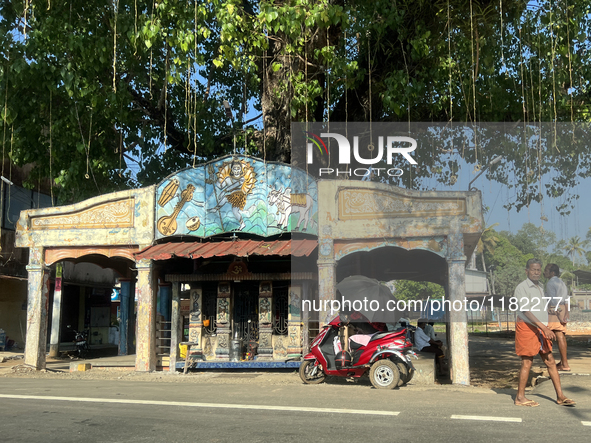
pixel 246 319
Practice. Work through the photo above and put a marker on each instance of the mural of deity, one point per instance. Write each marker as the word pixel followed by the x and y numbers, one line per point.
pixel 293 337
pixel 294 304
pixel 265 310
pixel 194 336
pixel 279 347
pixel 195 311
pixel 222 310
pixel 236 193
pixel 207 348
pixel 235 180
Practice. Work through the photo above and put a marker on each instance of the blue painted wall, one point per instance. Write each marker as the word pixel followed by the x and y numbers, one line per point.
pixel 237 194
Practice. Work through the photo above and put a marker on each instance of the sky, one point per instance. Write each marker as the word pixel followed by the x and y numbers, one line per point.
pixel 495 196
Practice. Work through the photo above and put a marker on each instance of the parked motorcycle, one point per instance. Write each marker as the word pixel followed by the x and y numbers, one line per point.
pixel 386 355
pixel 81 346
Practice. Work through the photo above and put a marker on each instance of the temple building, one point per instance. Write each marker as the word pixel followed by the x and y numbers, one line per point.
pixel 225 252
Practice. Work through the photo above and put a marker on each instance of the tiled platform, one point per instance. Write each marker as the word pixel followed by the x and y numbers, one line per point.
pixel 240 364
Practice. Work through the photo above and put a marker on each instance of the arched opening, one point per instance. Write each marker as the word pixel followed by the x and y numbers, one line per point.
pixel 86 295
pixel 394 263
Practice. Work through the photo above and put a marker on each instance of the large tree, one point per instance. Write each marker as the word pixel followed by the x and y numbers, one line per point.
pixel 506 264
pixel 90 89
pixel 532 239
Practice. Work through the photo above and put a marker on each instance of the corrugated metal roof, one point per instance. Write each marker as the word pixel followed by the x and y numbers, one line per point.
pixel 239 248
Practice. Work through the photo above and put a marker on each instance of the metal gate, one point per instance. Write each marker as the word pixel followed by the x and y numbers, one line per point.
pixel 210 300
pixel 246 318
pixel 280 310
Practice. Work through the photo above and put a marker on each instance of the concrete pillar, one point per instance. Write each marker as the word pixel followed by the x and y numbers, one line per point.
pixel 132 330
pixel 196 323
pixel 307 294
pixel 294 324
pixel 56 313
pixel 265 346
pixel 146 318
pixel 37 304
pixel 223 324
pixel 458 322
pixel 126 309
pixel 327 271
pixel 175 325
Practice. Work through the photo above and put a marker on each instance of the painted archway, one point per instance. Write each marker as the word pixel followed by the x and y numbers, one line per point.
pixel 364 217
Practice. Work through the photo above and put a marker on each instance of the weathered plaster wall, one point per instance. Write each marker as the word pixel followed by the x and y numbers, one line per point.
pixel 364 210
pixel 120 218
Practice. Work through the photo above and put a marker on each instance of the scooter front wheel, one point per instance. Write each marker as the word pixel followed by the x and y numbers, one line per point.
pixel 384 374
pixel 311 373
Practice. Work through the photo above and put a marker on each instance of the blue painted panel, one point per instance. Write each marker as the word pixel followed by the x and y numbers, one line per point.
pixel 240 364
pixel 237 193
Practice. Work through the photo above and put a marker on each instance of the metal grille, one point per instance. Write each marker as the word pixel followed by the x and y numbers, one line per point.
pixel 280 311
pixel 209 309
pixel 163 338
pixel 246 317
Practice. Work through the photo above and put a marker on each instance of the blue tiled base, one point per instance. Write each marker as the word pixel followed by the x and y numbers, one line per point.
pixel 240 364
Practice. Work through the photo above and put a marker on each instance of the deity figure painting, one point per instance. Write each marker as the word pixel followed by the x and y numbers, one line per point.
pixel 235 180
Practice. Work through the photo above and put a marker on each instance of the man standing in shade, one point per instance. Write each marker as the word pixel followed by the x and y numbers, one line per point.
pixel 532 336
pixel 557 311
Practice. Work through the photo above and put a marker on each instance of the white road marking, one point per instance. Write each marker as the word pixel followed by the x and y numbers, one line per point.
pixel 200 405
pixel 485 418
pixel 586 423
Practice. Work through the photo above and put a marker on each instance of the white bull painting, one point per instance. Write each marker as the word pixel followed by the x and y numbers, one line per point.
pixel 288 203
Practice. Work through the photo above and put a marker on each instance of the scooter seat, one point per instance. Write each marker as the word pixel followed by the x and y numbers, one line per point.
pixel 353 345
pixel 380 335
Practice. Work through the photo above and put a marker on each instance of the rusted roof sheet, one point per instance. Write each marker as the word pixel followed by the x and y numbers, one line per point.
pixel 239 248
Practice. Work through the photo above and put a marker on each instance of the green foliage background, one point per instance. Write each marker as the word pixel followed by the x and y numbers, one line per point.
pixel 90 89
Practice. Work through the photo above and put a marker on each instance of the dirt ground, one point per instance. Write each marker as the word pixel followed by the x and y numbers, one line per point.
pixel 493 365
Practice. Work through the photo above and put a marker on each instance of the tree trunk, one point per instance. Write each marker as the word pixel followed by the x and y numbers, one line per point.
pixel 275 103
pixel 483 264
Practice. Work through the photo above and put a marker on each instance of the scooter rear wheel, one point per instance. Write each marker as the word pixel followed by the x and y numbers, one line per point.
pixel 384 374
pixel 311 373
pixel 404 373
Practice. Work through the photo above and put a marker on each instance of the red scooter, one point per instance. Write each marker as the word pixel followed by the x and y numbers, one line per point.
pixel 386 355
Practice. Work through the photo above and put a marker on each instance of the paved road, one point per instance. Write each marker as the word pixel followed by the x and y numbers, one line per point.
pixel 43 410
